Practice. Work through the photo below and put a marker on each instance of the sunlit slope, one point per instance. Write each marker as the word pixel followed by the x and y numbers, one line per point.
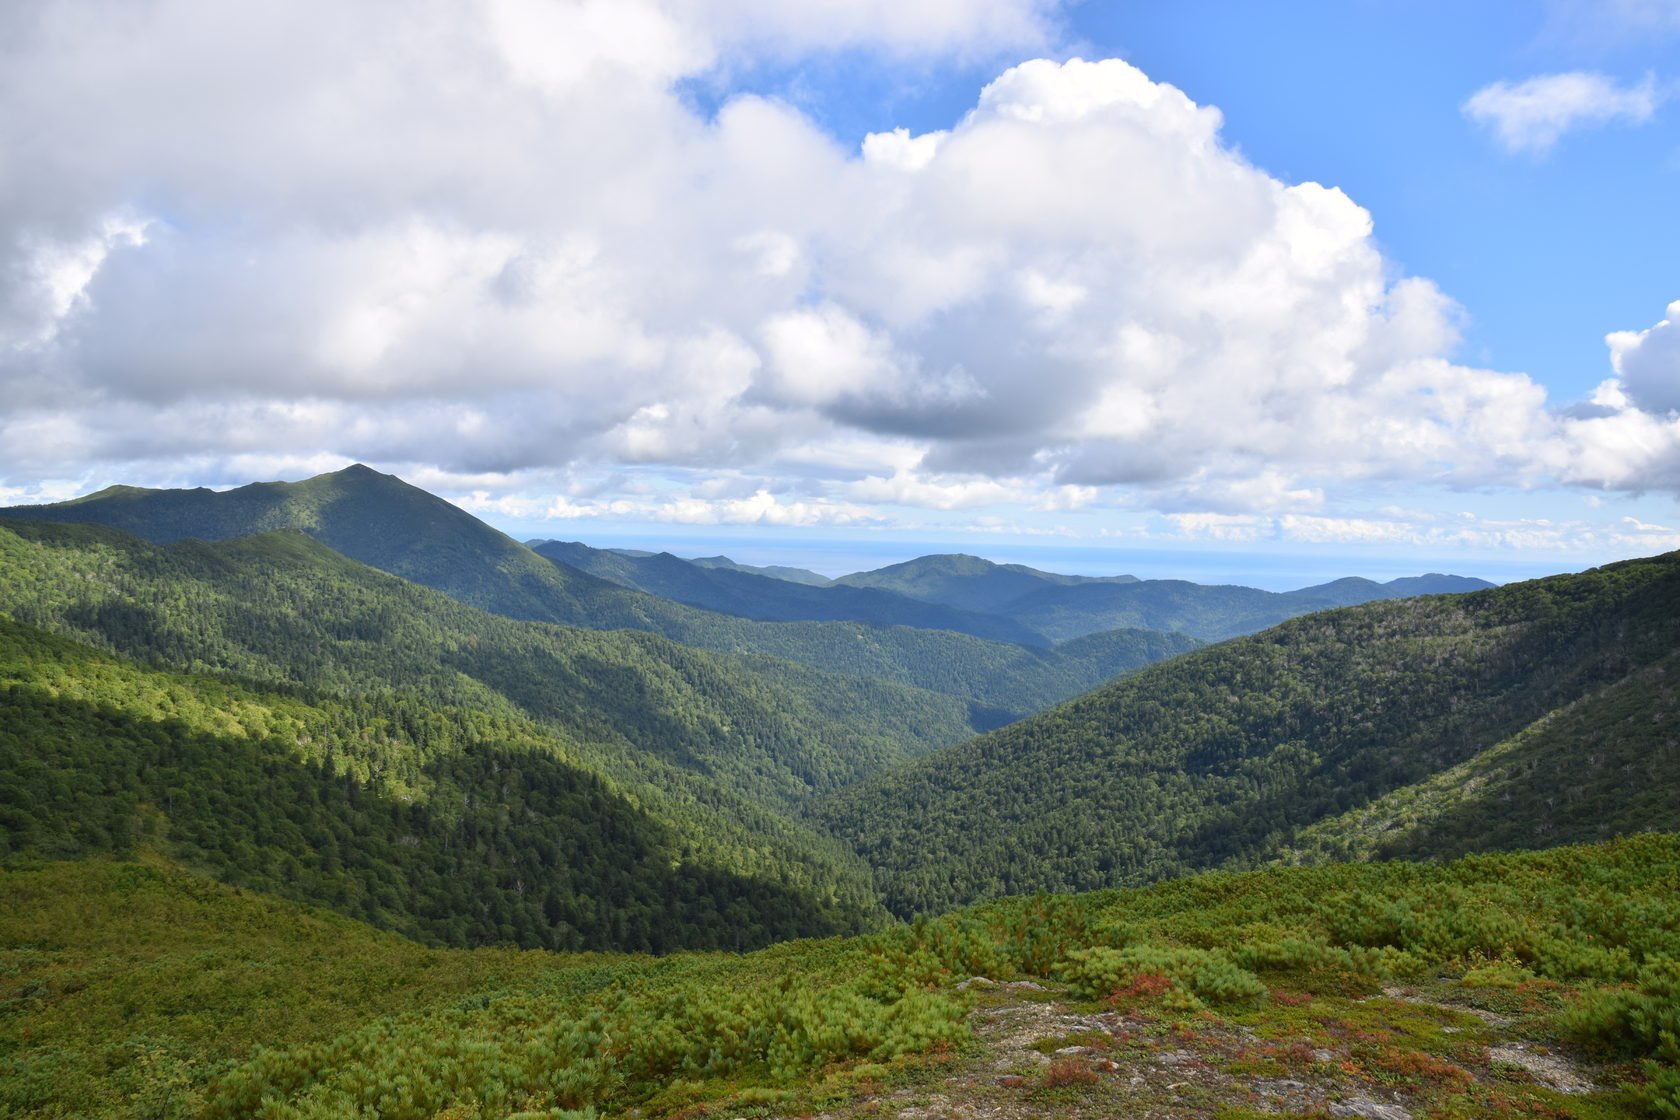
pixel 1225 755
pixel 722 751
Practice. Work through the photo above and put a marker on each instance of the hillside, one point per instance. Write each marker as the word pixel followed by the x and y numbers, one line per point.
pixel 1524 984
pixel 445 823
pixel 387 524
pixel 425 693
pixel 770 599
pixel 1605 765
pixel 1223 756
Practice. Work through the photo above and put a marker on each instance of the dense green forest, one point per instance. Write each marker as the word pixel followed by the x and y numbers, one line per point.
pixel 1605 765
pixel 448 824
pixel 1223 756
pixel 139 990
pixel 385 523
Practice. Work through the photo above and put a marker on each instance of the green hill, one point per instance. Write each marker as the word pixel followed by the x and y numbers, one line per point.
pixel 1222 757
pixel 446 825
pixel 1605 765
pixel 968 582
pixel 387 524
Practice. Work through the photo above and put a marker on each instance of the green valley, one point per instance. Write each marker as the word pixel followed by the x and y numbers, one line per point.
pixel 1218 758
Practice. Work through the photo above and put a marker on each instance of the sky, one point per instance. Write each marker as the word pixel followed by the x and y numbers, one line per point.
pixel 1215 289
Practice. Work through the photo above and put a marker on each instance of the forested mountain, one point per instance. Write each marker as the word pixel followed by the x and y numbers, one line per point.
pixel 1065 607
pixel 385 523
pixel 776 600
pixel 774 571
pixel 1353 590
pixel 719 750
pixel 968 582
pixel 1224 756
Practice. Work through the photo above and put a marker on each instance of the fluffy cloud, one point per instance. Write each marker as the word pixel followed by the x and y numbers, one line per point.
pixel 1648 363
pixel 493 241
pixel 1533 115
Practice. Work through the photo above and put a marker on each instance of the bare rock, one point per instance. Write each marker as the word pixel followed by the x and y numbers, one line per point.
pixel 1549 1070
pixel 1369 1109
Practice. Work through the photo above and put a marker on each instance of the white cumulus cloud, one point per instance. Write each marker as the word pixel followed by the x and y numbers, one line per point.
pixel 1533 115
pixel 1647 363
pixel 492 241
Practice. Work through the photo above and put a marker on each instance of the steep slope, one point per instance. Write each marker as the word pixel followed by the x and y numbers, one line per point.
pixel 1221 757
pixel 282 609
pixel 1606 765
pixel 776 600
pixel 382 521
pixel 448 825
pixel 968 582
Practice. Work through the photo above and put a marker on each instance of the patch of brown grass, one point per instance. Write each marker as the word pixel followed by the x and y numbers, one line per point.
pixel 1069 1071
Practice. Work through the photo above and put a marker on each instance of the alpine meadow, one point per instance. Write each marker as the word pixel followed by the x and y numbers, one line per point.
pixel 961 560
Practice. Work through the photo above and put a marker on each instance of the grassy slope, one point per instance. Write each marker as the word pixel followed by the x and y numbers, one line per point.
pixel 1223 755
pixel 134 990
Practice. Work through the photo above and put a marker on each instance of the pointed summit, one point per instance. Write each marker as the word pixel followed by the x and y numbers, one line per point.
pixel 377 519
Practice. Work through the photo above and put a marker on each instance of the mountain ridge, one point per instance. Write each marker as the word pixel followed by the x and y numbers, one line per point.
pixel 388 524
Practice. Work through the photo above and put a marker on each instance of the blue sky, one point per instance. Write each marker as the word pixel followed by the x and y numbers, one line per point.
pixel 658 271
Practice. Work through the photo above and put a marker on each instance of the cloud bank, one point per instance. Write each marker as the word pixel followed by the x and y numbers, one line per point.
pixel 493 242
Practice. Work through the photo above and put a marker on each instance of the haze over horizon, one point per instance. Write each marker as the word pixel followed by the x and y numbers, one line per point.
pixel 1209 292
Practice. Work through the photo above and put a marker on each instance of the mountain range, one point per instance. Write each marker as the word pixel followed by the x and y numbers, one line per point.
pixel 349 694
pixel 385 523
pixel 771 735
pixel 1008 602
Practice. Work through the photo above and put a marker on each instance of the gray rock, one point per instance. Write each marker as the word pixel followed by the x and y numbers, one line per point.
pixel 1369 1109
